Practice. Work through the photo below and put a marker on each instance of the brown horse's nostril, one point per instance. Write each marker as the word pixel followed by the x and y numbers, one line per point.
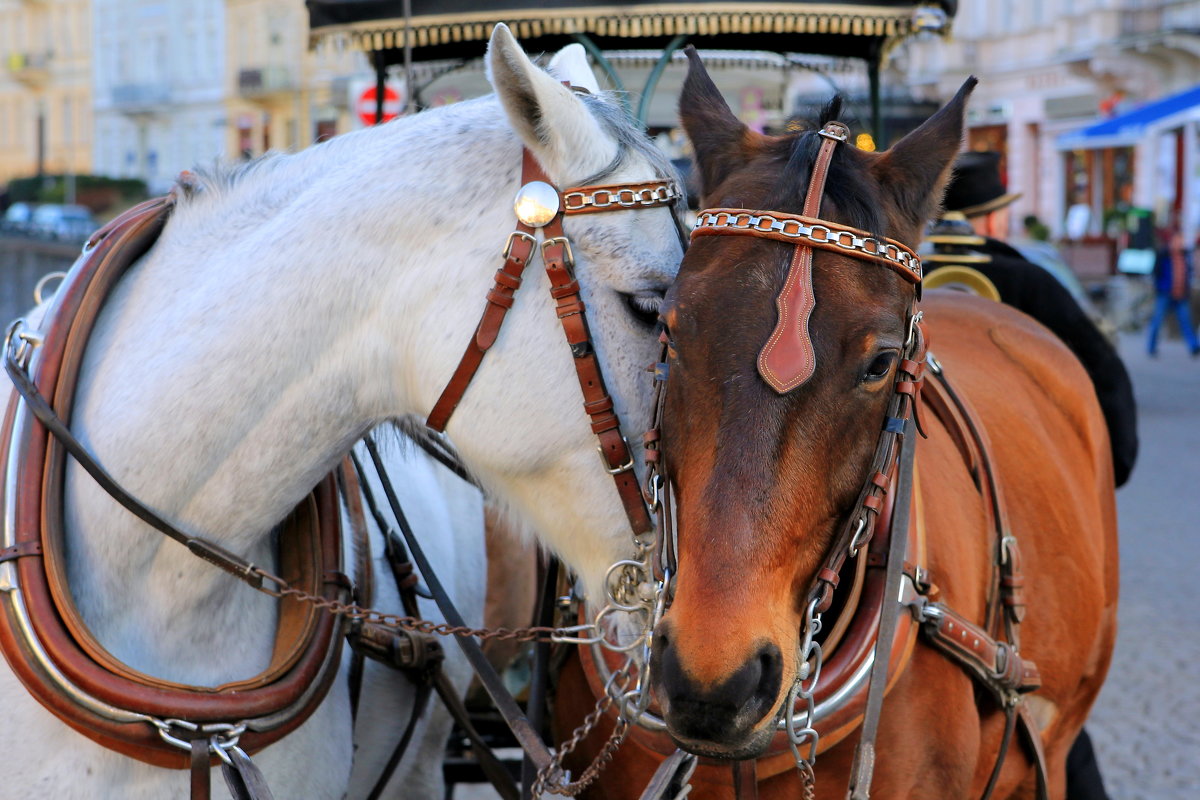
pixel 722 713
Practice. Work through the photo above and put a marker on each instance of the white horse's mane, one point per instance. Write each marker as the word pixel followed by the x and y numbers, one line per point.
pixel 260 184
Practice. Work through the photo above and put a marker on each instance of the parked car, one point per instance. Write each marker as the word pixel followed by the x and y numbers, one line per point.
pixel 17 218
pixel 62 221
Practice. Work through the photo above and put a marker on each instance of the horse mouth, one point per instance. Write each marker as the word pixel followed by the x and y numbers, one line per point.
pixel 751 746
pixel 737 739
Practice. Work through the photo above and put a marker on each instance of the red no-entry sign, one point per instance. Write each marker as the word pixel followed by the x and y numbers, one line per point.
pixel 366 105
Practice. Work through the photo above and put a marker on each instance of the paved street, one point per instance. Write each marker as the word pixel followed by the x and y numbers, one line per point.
pixel 1146 724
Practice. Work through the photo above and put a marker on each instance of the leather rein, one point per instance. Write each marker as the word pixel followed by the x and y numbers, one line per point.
pixel 786 362
pixel 195 727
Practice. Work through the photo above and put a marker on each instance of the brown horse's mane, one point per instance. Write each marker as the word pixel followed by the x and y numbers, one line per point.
pixel 850 188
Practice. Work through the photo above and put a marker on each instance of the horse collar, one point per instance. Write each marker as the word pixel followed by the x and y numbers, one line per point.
pixel 788 359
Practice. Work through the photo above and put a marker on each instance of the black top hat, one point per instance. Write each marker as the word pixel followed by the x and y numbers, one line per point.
pixel 975 185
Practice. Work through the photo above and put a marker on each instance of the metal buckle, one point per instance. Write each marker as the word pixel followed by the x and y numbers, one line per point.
pixel 835 131
pixel 508 245
pixel 20 342
pixel 568 253
pixel 626 467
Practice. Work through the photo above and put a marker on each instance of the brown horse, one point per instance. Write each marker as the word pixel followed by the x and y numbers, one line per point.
pixel 766 478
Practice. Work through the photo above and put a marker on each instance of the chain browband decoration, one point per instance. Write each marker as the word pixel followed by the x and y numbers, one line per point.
pixel 812 232
pixel 788 359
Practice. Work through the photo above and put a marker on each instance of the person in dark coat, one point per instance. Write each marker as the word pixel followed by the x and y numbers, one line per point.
pixel 976 215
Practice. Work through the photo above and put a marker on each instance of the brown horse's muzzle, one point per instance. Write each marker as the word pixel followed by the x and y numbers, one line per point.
pixel 732 717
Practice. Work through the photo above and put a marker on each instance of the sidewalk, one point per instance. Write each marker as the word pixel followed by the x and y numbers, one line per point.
pixel 1146 724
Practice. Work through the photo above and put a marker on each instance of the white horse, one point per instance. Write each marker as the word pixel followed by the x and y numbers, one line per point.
pixel 290 306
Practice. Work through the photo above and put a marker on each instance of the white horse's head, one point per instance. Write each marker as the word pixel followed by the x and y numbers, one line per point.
pixel 545 464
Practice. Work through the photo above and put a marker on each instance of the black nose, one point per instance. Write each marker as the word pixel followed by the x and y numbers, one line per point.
pixel 722 714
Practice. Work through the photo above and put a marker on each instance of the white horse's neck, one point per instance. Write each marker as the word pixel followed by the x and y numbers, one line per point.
pixel 252 347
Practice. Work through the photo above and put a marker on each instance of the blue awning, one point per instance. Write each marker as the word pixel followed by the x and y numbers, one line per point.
pixel 1126 129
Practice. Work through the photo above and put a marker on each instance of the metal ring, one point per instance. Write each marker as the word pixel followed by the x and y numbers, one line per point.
pixel 41 285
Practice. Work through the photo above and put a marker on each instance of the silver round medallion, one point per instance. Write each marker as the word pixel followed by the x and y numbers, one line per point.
pixel 537 203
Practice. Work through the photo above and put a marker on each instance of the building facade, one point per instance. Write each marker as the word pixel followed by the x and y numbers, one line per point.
pixel 1048 70
pixel 45 87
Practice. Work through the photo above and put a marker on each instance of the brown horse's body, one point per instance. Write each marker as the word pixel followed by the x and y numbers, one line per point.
pixel 939 735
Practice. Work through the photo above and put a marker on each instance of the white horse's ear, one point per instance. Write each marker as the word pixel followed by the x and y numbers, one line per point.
pixel 571 65
pixel 551 120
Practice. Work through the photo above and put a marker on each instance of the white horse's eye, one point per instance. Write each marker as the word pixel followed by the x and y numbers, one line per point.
pixel 644 305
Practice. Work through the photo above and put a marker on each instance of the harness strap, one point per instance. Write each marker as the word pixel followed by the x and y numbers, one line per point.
pixel 529 739
pixel 424 689
pixel 1028 728
pixel 201 778
pixel 614 450
pixel 20 550
pixel 418 655
pixel 788 359
pixel 745 779
pixel 517 253
pixel 863 766
pixel 243 779
pixel 559 261
pixel 993 663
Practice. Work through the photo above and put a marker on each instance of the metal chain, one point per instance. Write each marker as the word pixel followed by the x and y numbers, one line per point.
pixel 800 728
pixel 354 611
pixel 553 780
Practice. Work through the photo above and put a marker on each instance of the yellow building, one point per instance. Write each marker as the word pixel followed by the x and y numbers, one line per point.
pixel 45 87
pixel 280 94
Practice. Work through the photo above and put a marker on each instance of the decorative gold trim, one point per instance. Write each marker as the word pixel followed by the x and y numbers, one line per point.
pixel 955 239
pixel 705 19
pixel 958 276
pixel 957 258
pixel 994 204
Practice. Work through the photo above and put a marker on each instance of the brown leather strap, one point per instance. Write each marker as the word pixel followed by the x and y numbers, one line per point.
pixel 788 359
pixel 20 550
pixel 993 663
pixel 517 253
pixel 1018 718
pixel 863 767
pixel 883 466
pixel 201 776
pixel 1010 724
pixel 745 779
pixel 618 460
pixel 1031 736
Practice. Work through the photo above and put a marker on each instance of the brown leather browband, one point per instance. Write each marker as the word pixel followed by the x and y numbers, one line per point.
pixel 42 634
pixel 560 262
pixel 788 360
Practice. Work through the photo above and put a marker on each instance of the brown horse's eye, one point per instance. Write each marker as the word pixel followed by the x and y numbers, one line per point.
pixel 880 367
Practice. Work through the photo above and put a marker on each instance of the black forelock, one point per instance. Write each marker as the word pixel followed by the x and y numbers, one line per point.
pixel 849 190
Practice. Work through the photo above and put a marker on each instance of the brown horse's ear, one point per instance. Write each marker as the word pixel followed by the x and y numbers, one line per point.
pixel 718 138
pixel 915 170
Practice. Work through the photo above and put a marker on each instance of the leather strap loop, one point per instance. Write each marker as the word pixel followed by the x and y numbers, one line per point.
pixel 20 550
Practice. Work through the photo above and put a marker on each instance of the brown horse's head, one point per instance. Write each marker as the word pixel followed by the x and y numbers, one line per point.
pixel 765 479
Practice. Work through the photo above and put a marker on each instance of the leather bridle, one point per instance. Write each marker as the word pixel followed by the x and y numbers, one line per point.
pixel 559 261
pixel 787 361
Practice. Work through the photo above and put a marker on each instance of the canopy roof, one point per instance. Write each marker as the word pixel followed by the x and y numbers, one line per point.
pixel 1126 129
pixel 443 29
